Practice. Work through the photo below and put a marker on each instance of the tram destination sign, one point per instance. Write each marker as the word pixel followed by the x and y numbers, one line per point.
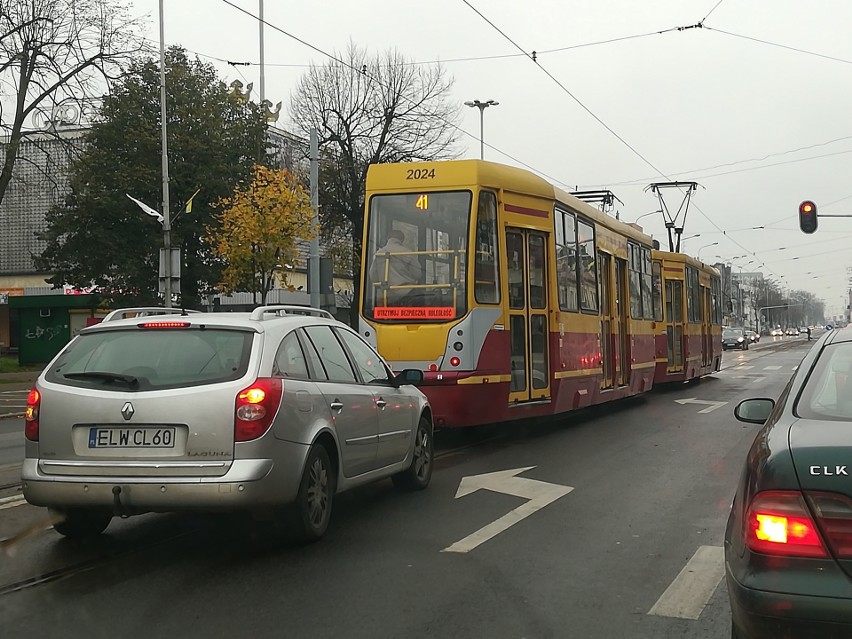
pixel 414 312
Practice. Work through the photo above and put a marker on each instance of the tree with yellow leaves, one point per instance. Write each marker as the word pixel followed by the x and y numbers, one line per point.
pixel 261 224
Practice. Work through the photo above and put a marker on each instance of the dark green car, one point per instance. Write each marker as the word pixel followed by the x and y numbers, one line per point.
pixel 788 542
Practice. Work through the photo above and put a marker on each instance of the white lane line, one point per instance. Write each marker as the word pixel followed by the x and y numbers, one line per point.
pixel 758 379
pixel 743 367
pixel 772 368
pixel 687 595
pixel 11 502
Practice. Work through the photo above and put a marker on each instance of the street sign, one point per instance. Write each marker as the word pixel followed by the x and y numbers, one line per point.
pixel 539 494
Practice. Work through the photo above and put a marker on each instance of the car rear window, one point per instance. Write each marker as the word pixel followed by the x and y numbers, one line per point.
pixel 828 390
pixel 148 359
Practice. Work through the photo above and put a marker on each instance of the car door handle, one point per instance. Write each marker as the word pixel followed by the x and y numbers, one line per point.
pixel 381 403
pixel 336 405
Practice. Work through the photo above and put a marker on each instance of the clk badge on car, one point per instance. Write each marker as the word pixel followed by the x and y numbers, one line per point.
pixel 127 411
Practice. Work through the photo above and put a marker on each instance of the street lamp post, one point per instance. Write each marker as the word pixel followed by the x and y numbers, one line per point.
pixel 644 215
pixel 698 255
pixel 481 106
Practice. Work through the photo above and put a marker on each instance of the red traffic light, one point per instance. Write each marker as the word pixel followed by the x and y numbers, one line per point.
pixel 808 216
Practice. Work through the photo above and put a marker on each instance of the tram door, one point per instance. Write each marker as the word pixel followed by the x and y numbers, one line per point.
pixel 622 306
pixel 608 322
pixel 674 325
pixel 706 335
pixel 529 333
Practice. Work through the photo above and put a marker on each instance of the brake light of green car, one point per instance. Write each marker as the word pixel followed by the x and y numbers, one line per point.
pixel 778 523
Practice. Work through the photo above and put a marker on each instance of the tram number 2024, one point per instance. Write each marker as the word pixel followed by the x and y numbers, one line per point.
pixel 419 174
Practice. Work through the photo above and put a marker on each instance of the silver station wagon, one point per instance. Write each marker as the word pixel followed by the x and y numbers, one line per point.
pixel 162 410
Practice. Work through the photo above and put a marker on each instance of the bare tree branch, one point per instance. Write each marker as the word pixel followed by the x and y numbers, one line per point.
pixel 56 50
pixel 370 110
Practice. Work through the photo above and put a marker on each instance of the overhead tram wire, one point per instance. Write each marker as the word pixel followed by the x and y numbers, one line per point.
pixel 532 57
pixel 734 163
pixel 780 46
pixel 716 6
pixel 346 64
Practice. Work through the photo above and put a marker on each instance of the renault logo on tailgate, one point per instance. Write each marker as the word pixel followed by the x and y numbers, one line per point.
pixel 127 410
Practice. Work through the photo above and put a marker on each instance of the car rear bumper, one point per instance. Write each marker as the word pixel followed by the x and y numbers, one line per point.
pixel 249 484
pixel 760 614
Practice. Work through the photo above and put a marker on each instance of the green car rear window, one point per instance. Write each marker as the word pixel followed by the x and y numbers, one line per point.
pixel 146 359
pixel 828 391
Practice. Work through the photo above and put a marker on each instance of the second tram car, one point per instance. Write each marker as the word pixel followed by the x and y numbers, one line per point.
pixel 688 310
pixel 515 298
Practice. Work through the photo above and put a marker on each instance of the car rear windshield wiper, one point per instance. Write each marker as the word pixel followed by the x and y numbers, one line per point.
pixel 130 380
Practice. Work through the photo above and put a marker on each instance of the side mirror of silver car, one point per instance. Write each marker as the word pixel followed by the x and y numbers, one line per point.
pixel 409 376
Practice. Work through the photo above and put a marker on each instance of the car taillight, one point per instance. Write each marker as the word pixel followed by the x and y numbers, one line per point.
pixel 256 407
pixel 31 415
pixel 834 516
pixel 778 523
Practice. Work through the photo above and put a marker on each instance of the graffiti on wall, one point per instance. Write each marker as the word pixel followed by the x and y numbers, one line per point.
pixel 48 333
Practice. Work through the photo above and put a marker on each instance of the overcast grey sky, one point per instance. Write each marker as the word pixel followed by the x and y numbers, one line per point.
pixel 755 106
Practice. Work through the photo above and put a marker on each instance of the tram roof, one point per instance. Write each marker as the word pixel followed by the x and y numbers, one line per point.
pixel 391 177
pixel 668 256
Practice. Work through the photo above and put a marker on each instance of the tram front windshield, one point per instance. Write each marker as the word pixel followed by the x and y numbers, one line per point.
pixel 416 257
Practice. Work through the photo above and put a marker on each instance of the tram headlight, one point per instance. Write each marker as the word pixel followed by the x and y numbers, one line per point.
pixel 455 361
pixel 458 346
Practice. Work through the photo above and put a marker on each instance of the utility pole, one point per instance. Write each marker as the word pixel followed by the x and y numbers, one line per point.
pixel 313 258
pixel 262 66
pixel 166 257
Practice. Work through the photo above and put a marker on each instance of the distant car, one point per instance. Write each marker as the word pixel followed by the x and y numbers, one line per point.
pixel 752 336
pixel 803 329
pixel 154 411
pixel 792 331
pixel 788 540
pixel 734 338
pixel 776 332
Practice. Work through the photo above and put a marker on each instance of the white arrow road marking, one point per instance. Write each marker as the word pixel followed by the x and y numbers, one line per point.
pixel 689 593
pixel 711 406
pixel 539 494
pixel 11 502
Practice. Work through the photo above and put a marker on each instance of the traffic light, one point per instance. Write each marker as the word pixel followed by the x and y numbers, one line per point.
pixel 807 217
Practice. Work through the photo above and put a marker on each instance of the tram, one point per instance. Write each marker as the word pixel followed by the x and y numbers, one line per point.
pixel 515 298
pixel 688 310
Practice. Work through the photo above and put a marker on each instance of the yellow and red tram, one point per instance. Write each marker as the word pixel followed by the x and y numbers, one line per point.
pixel 515 298
pixel 689 336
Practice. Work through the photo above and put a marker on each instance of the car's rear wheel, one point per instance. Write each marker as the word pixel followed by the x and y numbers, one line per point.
pixel 316 492
pixel 419 473
pixel 81 522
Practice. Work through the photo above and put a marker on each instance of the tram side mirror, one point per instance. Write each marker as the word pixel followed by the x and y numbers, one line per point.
pixel 754 411
pixel 409 376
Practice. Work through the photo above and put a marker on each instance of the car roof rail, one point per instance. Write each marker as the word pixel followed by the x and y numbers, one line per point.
pixel 144 311
pixel 289 309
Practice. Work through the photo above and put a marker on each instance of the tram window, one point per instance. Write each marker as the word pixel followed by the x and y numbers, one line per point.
pixel 536 255
pixel 487 264
pixel 588 266
pixel 634 267
pixel 566 260
pixel 693 296
pixel 515 264
pixel 658 291
pixel 647 295
pixel 715 300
